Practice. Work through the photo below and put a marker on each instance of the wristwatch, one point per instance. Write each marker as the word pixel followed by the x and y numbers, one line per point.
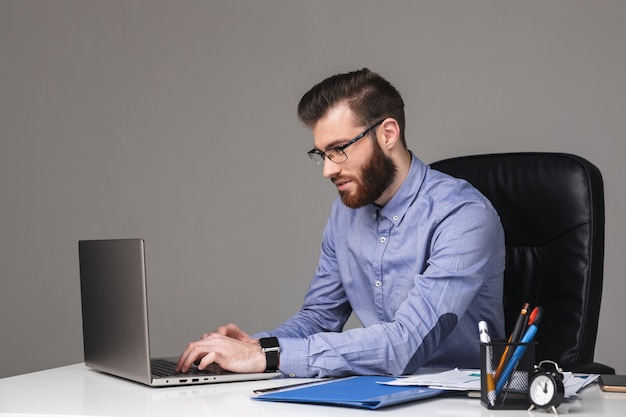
pixel 271 348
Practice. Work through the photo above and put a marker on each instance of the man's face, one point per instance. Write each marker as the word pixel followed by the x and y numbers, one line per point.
pixel 367 172
pixel 377 173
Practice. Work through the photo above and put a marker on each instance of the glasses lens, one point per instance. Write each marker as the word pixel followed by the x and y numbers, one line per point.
pixel 316 157
pixel 336 155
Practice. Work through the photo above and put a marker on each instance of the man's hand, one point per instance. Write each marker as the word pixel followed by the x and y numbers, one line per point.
pixel 232 330
pixel 229 347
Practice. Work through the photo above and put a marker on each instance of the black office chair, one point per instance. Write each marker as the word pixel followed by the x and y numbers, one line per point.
pixel 552 209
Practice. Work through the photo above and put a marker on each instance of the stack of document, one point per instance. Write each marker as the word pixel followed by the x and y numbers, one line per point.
pixel 574 383
pixel 374 392
pixel 469 380
pixel 453 380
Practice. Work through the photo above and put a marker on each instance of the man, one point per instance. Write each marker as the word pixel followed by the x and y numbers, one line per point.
pixel 418 256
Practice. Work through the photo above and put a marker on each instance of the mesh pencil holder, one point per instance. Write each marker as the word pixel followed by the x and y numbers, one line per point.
pixel 504 383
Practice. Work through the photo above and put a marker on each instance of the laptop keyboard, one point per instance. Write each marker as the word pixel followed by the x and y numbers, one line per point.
pixel 164 367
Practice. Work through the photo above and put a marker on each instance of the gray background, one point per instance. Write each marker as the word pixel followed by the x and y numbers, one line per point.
pixel 175 121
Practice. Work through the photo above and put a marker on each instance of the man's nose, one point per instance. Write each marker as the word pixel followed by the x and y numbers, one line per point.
pixel 330 168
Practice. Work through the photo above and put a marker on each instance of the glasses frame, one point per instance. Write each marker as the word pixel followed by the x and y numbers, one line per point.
pixel 320 156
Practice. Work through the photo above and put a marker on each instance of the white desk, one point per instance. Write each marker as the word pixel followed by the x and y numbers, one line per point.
pixel 78 391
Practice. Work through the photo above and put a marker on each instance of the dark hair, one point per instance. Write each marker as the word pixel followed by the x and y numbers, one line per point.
pixel 370 97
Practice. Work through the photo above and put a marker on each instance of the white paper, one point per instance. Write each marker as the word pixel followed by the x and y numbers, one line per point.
pixel 574 383
pixel 455 380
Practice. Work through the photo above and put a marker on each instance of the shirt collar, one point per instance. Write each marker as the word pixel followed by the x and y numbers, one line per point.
pixel 397 207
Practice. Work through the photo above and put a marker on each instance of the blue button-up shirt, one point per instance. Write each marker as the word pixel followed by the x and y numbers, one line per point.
pixel 418 273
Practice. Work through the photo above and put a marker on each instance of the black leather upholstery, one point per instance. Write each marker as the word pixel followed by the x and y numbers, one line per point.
pixel 552 209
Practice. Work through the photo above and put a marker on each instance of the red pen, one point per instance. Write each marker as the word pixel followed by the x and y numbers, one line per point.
pixel 535 316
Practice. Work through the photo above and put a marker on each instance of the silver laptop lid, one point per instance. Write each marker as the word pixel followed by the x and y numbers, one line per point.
pixel 114 307
pixel 115 316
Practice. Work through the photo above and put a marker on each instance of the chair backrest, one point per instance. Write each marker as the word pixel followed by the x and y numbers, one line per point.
pixel 552 209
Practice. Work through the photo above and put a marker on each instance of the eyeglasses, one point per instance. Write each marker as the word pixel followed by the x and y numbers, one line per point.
pixel 338 154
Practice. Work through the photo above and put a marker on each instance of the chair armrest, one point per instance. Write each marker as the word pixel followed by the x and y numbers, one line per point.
pixel 588 368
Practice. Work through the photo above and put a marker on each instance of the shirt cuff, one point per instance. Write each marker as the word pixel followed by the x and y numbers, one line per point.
pixel 293 357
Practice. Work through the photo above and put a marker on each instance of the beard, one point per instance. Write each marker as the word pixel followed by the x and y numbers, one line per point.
pixel 377 174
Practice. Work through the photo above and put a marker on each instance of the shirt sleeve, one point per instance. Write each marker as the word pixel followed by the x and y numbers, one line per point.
pixel 326 307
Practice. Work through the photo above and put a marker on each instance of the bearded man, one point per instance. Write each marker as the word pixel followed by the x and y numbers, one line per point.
pixel 416 255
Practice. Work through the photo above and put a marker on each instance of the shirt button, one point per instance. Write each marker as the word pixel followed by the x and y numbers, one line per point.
pixel 378 284
pixel 395 218
pixel 383 239
pixel 292 375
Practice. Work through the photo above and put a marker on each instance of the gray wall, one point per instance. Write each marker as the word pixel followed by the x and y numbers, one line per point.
pixel 175 121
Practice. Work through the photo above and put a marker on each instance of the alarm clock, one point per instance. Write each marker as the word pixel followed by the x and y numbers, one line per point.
pixel 545 386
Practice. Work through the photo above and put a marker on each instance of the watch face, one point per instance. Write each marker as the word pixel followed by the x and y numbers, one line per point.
pixel 542 390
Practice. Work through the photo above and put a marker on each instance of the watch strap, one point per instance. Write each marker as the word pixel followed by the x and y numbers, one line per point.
pixel 271 349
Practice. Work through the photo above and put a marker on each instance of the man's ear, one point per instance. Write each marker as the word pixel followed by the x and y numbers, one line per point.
pixel 391 133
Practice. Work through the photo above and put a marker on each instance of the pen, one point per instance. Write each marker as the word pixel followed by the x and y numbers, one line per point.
pixel 484 338
pixel 514 338
pixel 262 390
pixel 533 320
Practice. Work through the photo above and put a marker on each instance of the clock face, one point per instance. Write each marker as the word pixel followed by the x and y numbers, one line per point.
pixel 542 390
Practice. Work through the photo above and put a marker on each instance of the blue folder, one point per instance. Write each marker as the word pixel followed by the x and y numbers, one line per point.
pixel 357 391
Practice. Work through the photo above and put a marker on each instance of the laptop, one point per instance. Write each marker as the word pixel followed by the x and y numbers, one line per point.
pixel 115 319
